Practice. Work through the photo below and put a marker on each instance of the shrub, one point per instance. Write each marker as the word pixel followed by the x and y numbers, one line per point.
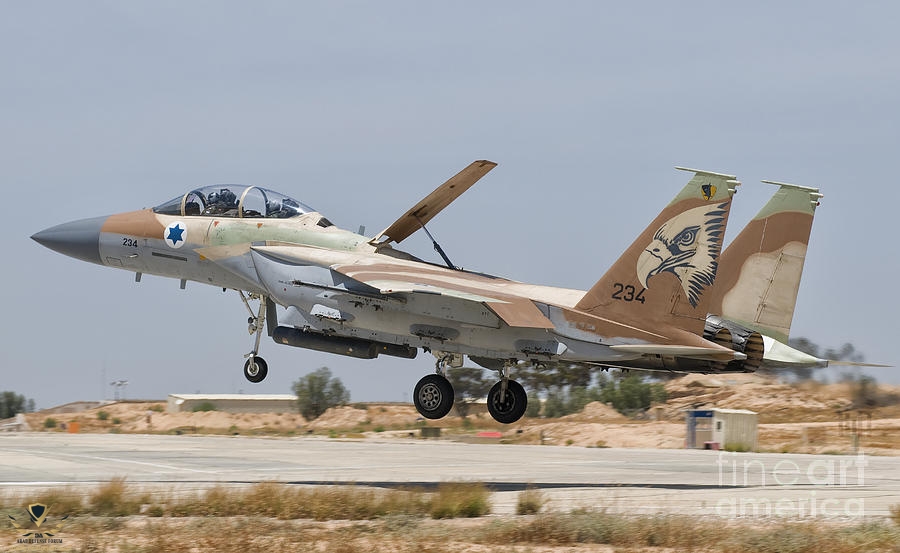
pixel 895 513
pixel 460 500
pixel 102 415
pixel 632 394
pixel 530 502
pixel 565 401
pixel 63 501
pixel 49 422
pixel 204 407
pixel 110 499
pixel 317 392
pixel 12 404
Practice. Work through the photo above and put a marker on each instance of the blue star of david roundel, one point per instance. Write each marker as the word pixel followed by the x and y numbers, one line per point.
pixel 175 235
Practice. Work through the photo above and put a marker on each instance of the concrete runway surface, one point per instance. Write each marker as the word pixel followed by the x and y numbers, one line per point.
pixel 623 480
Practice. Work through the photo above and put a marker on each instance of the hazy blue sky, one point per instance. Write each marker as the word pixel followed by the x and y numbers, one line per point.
pixel 360 109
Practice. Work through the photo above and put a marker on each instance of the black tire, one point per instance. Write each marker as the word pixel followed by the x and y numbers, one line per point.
pixel 433 396
pixel 512 407
pixel 257 371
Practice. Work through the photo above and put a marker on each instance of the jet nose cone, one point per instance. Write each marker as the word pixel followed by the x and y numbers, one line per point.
pixel 78 239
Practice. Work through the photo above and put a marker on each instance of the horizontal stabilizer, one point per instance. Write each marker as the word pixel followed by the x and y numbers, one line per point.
pixel 434 203
pixel 856 364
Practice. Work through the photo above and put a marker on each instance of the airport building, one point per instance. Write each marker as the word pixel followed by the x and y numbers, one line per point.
pixel 731 429
pixel 232 403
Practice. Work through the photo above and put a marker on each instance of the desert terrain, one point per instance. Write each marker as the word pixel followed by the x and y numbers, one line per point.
pixel 797 418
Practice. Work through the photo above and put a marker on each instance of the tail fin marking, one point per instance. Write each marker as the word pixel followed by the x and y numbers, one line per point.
pixel 664 277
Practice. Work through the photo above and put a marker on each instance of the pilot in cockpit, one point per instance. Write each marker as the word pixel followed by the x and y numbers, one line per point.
pixel 223 203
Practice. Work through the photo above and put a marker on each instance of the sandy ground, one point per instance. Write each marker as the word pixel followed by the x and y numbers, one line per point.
pixel 803 418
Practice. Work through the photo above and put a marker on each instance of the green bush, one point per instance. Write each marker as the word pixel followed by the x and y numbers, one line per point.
pixel 204 407
pixel 530 502
pixel 113 499
pixel 102 415
pixel 895 513
pixel 318 391
pixel 11 404
pixel 49 422
pixel 632 394
pixel 460 500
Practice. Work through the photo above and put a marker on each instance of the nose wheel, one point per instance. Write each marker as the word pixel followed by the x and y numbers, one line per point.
pixel 255 369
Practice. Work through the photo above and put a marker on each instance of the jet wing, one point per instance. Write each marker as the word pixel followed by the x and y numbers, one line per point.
pixel 434 203
pixel 396 277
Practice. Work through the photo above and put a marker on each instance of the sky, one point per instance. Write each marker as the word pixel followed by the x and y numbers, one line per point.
pixel 360 109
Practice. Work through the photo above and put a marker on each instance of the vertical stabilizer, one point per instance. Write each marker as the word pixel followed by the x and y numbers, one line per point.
pixel 665 276
pixel 759 271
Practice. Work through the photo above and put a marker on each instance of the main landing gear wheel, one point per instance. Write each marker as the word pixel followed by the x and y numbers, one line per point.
pixel 513 405
pixel 433 396
pixel 256 369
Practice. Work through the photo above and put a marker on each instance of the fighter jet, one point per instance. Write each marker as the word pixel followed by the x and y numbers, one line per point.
pixel 345 293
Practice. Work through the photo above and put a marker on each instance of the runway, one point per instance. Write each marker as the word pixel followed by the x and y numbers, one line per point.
pixel 623 480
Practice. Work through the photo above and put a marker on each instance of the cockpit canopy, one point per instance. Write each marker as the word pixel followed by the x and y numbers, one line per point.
pixel 234 200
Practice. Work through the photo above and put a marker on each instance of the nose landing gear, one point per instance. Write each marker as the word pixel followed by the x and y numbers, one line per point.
pixel 255 368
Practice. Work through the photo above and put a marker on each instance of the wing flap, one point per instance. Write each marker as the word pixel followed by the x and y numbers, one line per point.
pixel 434 203
pixel 520 313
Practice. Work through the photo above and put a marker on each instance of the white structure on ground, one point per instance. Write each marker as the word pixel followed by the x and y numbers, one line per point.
pixel 733 429
pixel 232 403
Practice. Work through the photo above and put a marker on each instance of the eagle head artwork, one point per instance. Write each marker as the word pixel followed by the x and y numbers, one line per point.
pixel 687 246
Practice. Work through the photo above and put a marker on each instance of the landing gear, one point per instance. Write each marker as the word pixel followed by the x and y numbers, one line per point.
pixel 255 368
pixel 507 400
pixel 509 406
pixel 433 396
